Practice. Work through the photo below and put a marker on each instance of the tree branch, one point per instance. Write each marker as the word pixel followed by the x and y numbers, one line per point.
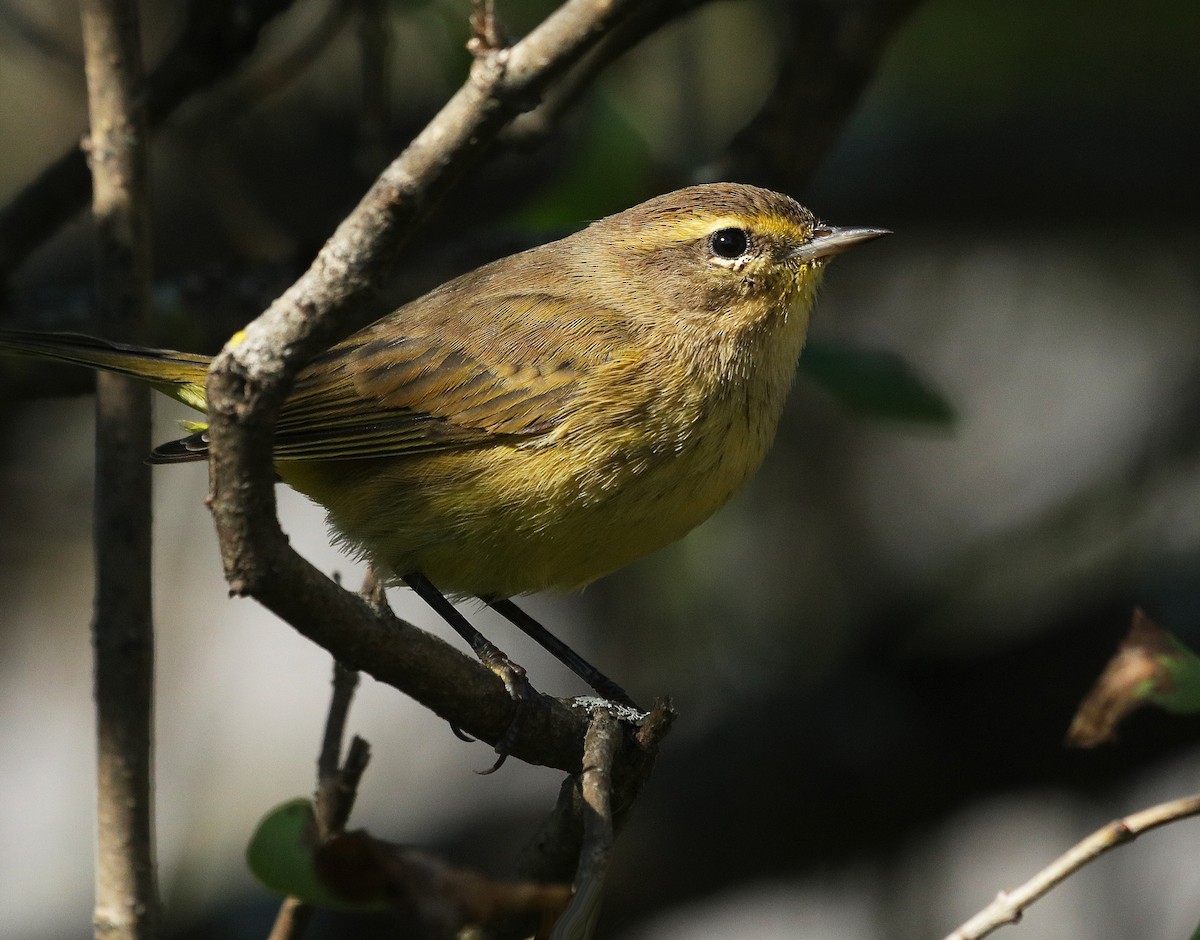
pixel 337 789
pixel 1009 905
pixel 532 126
pixel 571 843
pixel 831 53
pixel 216 35
pixel 248 381
pixel 126 892
pixel 337 782
pixel 596 789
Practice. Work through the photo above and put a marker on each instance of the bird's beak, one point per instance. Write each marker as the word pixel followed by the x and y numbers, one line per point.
pixel 828 241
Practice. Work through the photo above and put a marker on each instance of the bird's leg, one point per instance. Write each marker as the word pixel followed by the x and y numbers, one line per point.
pixel 565 655
pixel 511 674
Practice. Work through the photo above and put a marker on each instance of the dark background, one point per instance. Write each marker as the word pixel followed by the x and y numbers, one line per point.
pixel 875 650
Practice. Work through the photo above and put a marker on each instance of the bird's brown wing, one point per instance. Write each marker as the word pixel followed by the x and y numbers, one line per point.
pixel 435 376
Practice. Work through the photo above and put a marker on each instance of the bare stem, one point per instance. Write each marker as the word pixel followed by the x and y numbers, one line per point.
pixel 292 920
pixel 122 631
pixel 1009 905
pixel 345 681
pixel 596 787
pixel 337 785
pixel 337 789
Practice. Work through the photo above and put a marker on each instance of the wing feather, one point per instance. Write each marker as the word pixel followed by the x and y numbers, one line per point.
pixel 505 369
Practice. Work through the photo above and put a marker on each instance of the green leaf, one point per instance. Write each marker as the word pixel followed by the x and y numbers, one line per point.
pixel 281 856
pixel 1179 690
pixel 876 384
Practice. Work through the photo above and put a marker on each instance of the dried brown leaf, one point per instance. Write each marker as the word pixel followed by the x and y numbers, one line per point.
pixel 1136 671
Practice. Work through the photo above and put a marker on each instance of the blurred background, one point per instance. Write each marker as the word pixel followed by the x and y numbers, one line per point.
pixel 875 650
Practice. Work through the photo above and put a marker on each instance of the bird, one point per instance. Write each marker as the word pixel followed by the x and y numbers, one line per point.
pixel 547 418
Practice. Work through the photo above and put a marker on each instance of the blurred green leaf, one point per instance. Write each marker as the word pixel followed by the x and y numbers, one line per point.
pixel 1179 689
pixel 876 384
pixel 281 856
pixel 609 170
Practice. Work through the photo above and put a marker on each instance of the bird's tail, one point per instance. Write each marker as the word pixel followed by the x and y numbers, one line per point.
pixel 177 374
pixel 180 375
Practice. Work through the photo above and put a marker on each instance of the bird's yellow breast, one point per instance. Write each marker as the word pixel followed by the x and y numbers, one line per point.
pixel 620 477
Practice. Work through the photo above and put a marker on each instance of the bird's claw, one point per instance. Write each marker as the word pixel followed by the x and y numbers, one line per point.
pixel 520 690
pixel 511 674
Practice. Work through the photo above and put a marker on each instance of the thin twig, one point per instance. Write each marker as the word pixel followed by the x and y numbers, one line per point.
pixel 358 755
pixel 248 382
pixel 557 852
pixel 345 681
pixel 528 129
pixel 487 35
pixel 337 789
pixel 596 784
pixel 292 919
pixel 553 852
pixel 127 905
pixel 1009 905
pixel 216 36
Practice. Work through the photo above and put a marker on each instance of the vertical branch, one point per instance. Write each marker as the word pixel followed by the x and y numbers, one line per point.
pixel 375 67
pixel 126 893
pixel 831 53
pixel 215 37
pixel 596 786
pixel 337 788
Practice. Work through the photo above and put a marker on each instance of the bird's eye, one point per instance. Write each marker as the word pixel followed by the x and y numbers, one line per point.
pixel 729 242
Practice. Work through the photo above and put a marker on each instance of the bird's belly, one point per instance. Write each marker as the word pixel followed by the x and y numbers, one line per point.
pixel 499 522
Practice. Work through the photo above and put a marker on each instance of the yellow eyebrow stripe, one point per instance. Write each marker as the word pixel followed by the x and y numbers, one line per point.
pixel 688 229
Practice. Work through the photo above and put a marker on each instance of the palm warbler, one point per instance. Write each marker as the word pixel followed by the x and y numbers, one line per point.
pixel 548 417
